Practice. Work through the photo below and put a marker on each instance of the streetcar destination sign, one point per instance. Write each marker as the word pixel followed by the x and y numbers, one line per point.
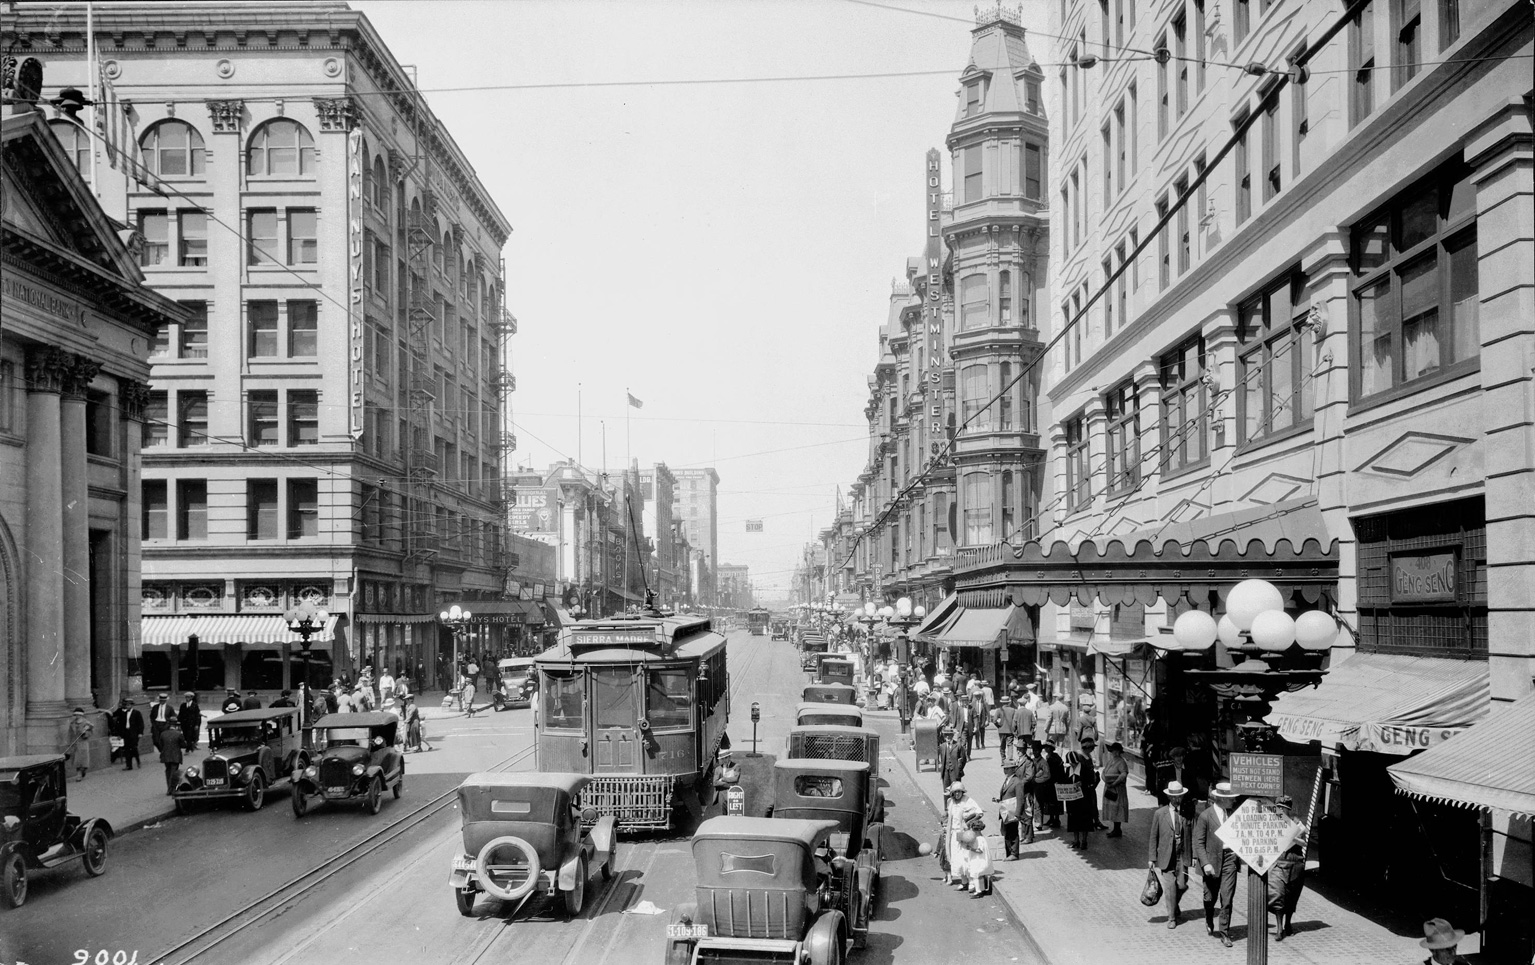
pixel 1257 775
pixel 614 637
pixel 1259 832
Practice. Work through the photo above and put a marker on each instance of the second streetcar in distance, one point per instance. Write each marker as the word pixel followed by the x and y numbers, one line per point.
pixel 757 620
pixel 640 703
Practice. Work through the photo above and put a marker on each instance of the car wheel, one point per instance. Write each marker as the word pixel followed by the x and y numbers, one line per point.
pixel 375 795
pixel 464 898
pixel 510 877
pixel 14 892
pixel 500 703
pixel 575 898
pixel 300 802
pixel 607 865
pixel 399 786
pixel 96 852
pixel 255 792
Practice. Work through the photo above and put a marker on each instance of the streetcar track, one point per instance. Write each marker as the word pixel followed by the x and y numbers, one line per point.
pixel 276 901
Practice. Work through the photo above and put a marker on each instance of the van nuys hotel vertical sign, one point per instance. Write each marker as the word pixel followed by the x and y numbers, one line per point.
pixel 932 308
pixel 355 162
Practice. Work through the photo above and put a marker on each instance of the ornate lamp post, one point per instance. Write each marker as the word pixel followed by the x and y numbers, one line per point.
pixel 905 616
pixel 306 620
pixel 1282 654
pixel 457 620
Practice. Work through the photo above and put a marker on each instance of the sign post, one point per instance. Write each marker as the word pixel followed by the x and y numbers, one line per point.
pixel 1258 832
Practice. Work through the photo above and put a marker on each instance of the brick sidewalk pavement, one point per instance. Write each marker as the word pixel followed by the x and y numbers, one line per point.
pixel 1083 908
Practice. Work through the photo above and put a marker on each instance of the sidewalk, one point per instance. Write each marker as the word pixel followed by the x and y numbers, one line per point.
pixel 1084 907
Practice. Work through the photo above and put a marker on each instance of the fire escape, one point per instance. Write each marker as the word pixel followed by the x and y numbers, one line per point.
pixel 498 372
pixel 421 544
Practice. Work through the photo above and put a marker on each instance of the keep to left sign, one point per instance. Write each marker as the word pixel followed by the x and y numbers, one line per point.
pixel 1259 832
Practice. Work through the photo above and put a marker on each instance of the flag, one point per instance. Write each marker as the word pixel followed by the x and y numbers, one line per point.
pixel 635 402
pixel 116 128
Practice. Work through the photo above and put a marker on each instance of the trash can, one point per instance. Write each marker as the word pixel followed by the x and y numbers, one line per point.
pixel 926 741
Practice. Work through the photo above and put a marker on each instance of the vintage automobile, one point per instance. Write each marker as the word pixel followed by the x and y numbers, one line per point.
pixel 249 753
pixel 355 757
pixel 830 694
pixel 523 835
pixel 821 790
pixel 780 630
pixel 516 682
pixel 764 894
pixel 822 712
pixel 812 644
pixel 36 829
pixel 837 668
pixel 832 742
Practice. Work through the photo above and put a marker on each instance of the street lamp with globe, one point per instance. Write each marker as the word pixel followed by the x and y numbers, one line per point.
pixel 306 620
pixel 457 621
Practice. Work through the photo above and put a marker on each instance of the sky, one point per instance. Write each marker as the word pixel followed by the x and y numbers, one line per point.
pixel 723 252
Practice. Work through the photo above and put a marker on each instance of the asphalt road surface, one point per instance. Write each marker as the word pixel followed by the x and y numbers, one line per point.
pixel 390 903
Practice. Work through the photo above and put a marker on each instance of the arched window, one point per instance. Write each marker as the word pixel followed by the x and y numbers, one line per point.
pixel 281 148
pixel 173 149
pixel 380 184
pixel 441 237
pixel 76 143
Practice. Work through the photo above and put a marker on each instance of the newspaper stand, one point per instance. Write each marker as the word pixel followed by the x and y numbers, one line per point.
pixel 925 738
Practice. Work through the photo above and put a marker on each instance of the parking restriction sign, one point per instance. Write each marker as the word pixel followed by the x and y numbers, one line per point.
pixel 1259 832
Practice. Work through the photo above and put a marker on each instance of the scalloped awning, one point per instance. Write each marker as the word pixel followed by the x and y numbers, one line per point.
pixel 1286 544
pixel 1486 766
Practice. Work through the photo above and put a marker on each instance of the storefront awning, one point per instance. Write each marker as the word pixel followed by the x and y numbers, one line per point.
pixel 252 631
pixel 395 618
pixel 487 612
pixel 556 615
pixel 1488 766
pixel 1386 703
pixel 935 623
pixel 987 629
pixel 1110 647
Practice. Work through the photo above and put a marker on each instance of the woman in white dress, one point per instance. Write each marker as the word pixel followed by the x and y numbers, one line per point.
pixel 962 810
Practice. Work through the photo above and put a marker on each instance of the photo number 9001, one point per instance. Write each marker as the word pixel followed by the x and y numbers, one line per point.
pixel 106 957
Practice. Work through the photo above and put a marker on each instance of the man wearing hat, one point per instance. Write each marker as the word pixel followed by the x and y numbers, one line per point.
pixel 951 759
pixel 1441 938
pixel 1217 863
pixel 231 702
pixel 1006 715
pixel 160 713
pixel 1287 877
pixel 252 701
pixel 1013 810
pixel 1168 847
pixel 190 716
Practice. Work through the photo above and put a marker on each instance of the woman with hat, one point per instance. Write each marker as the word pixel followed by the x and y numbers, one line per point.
pixel 1287 877
pixel 963 814
pixel 1116 797
pixel 79 749
pixel 1441 939
pixel 1082 814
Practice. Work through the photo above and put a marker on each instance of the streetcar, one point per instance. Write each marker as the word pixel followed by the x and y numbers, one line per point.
pixel 640 703
pixel 758 619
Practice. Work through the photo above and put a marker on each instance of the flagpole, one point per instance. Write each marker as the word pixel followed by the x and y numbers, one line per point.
pixel 92 84
pixel 628 509
pixel 578 423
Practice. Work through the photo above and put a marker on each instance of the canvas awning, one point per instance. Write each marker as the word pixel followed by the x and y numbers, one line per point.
pixel 1386 703
pixel 395 618
pixel 987 629
pixel 936 622
pixel 1487 766
pixel 487 612
pixel 1110 647
pixel 556 615
pixel 267 631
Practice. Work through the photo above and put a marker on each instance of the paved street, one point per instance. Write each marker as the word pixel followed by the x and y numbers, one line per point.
pixel 190 873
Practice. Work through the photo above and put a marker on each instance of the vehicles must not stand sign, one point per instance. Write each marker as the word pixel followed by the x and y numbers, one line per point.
pixel 735 800
pixel 1259 832
pixel 1257 775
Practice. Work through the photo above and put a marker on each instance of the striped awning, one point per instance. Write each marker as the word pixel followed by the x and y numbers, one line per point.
pixel 1487 766
pixel 252 631
pixel 988 629
pixel 932 628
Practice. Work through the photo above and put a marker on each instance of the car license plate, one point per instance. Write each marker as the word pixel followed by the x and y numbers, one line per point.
pixel 463 863
pixel 335 790
pixel 215 782
pixel 687 931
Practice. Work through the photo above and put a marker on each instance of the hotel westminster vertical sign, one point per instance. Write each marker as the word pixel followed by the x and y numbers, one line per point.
pixel 932 308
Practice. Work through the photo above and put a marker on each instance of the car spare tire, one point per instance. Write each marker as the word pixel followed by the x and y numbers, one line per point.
pixel 507 868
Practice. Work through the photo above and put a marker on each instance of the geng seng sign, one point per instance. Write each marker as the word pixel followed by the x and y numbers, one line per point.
pixel 1424 577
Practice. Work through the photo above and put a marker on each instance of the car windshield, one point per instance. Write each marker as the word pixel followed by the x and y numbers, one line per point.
pixel 346 735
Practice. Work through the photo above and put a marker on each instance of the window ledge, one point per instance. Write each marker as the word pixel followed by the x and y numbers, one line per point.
pixel 1188 470
pixel 1456 371
pixel 272 269
pixel 172 269
pixel 1253 445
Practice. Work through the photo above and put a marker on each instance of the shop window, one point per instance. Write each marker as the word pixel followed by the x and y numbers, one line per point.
pixel 1122 408
pixel 1129 683
pixel 261 670
pixel 1078 475
pixel 1184 417
pixel 1416 290
pixel 321 671
pixel 1275 365
pixel 1423 580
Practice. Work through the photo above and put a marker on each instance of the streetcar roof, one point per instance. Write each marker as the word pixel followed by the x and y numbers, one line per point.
pixel 793 830
pixel 634 641
pixel 569 783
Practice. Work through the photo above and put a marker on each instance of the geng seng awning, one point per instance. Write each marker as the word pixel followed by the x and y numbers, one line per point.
pixel 1386 703
pixel 1492 765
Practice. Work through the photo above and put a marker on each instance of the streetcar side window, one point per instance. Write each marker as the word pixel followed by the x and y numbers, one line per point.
pixel 564 697
pixel 668 703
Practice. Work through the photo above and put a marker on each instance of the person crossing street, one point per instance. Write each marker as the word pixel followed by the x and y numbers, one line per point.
pixel 1218 863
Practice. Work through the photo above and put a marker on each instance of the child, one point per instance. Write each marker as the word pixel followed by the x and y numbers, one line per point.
pixel 974 864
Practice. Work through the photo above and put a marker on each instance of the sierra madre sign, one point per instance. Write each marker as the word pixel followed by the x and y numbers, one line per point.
pixel 1259 832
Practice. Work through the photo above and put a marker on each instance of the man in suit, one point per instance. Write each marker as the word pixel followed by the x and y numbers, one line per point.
pixel 1007 715
pixel 1217 862
pixel 252 701
pixel 128 724
pixel 951 761
pixel 1023 724
pixel 1057 775
pixel 190 716
pixel 1168 848
pixel 160 713
pixel 170 744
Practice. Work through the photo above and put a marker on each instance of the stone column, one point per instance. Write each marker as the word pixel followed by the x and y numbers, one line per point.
pixel 133 397
pixel 76 601
pixel 47 369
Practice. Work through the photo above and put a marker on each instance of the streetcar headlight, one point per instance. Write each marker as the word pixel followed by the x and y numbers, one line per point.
pixel 357 769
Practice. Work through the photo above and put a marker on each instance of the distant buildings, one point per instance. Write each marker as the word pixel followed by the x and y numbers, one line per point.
pixel 735 587
pixel 697 507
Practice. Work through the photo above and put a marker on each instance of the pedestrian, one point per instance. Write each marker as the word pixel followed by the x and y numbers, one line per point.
pixel 951 763
pixel 160 712
pixel 231 703
pixel 1043 785
pixel 1041 712
pixel 285 699
pixel 362 697
pixel 1116 797
pixel 171 744
pixel 127 726
pixel 1168 848
pixel 1081 814
pixel 1023 723
pixel 1217 862
pixel 1059 721
pixel 1005 717
pixel 190 716
pixel 79 747
pixel 975 864
pixel 468 696
pixel 962 813
pixel 1087 712
pixel 1057 775
pixel 415 729
pixel 1287 877
pixel 386 685
pixel 320 703
pixel 345 704
pixel 333 698
pixel 1028 773
pixel 978 713
pixel 1441 939
pixel 1010 808
pixel 252 701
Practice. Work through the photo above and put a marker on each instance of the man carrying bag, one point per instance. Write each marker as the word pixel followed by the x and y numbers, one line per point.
pixel 1169 847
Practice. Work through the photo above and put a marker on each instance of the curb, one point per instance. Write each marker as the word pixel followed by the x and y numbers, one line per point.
pixel 139 824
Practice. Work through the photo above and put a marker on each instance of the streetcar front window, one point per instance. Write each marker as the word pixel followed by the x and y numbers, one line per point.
pixel 564 697
pixel 614 694
pixel 669 701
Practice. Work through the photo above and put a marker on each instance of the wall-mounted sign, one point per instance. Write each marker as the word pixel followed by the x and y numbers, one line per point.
pixel 1257 775
pixel 1424 577
pixel 355 361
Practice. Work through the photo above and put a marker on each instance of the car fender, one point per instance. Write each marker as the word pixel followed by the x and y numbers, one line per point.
pixel 824 941
pixel 18 847
pixel 604 835
pixel 566 879
pixel 89 825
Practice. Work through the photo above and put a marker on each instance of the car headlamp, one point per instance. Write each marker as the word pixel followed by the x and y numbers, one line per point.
pixel 357 769
pixel 193 773
pixel 311 771
pixel 234 769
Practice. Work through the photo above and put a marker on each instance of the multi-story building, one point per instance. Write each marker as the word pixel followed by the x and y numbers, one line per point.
pixel 1296 300
pixel 585 517
pixel 326 424
pixel 75 320
pixel 668 565
pixel 696 504
pixel 735 586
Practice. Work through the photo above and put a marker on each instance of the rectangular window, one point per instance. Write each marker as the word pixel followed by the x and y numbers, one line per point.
pixel 1078 478
pixel 1122 408
pixel 971 157
pixel 1004 300
pixel 194 331
pixel 1408 15
pixel 977 393
pixel 1134 114
pixel 303 508
pixel 1135 263
pixel 261 509
pixel 1241 14
pixel 1108 301
pixel 303 417
pixel 262 423
pixel 191 509
pixel 1164 252
pixel 1122 286
pixel 160 345
pixel 1274 368
pixel 1199 45
pixel 1076 208
pixel 974 302
pixel 1119 135
pixel 194 239
pixel 1243 174
pixel 1449 22
pixel 99 423
pixel 1181 223
pixel 155 514
pixel 1184 420
pixel 972 98
pixel 1033 173
pixel 1416 291
pixel 157 430
pixel 1361 56
pixel 1164 88
pixel 977 493
pixel 303 329
pixel 156 229
pixel 261 237
pixel 381 260
pixel 1031 94
pixel 1006 391
pixel 1119 22
pixel 1300 120
pixel 193 418
pixel 1180 58
pixel 262 320
pixel 1108 166
pixel 1272 177
pixel 303 236
pixel 1201 195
